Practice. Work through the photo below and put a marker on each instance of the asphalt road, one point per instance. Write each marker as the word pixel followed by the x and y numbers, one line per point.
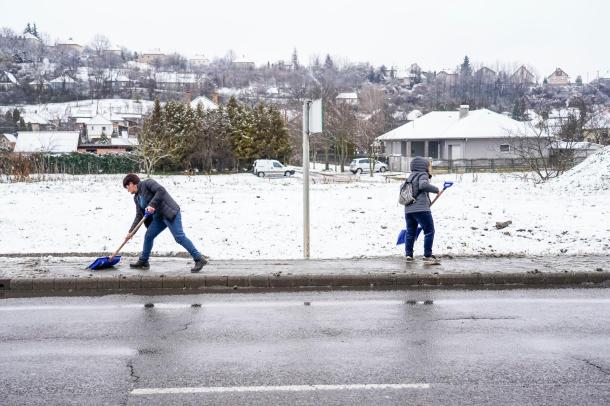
pixel 521 347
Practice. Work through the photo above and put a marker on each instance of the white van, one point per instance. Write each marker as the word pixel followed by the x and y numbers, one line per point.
pixel 264 167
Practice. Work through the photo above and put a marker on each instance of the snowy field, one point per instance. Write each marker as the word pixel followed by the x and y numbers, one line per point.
pixel 245 217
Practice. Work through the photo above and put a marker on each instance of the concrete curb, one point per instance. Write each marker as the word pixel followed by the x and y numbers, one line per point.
pixel 203 283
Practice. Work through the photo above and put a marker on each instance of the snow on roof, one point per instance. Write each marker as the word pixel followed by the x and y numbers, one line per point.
pixel 414 115
pixel 55 142
pixel 481 123
pixel 38 82
pixel 230 91
pixel 28 35
pixel 69 41
pixel 7 77
pixel 123 141
pixel 10 137
pixel 592 173
pixel 34 118
pixel 63 79
pixel 347 95
pixel 99 120
pixel 206 103
pixel 174 77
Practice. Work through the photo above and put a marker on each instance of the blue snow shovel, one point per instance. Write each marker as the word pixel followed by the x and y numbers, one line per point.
pixel 109 262
pixel 402 236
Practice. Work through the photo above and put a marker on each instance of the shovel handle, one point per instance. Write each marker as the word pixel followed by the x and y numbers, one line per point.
pixel 132 234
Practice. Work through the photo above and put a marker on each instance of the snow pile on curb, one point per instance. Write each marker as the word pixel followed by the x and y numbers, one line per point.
pixel 591 174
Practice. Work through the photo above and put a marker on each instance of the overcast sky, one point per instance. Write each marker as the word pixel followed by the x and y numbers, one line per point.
pixel 436 34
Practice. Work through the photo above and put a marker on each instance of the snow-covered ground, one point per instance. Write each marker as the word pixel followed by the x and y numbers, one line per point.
pixel 245 217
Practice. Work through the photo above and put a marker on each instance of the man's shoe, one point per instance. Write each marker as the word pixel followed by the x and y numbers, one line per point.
pixel 431 260
pixel 199 264
pixel 140 265
pixel 409 258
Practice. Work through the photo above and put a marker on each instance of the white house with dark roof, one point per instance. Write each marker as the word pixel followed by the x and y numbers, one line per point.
pixel 454 135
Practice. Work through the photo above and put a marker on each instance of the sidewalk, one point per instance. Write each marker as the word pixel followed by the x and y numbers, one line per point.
pixel 66 275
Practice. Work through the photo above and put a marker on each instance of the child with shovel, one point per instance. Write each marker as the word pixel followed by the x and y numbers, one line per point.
pixel 418 212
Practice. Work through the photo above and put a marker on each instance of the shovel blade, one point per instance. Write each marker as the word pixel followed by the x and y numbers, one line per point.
pixel 104 262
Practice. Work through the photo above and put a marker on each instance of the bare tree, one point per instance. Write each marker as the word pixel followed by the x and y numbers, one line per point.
pixel 100 43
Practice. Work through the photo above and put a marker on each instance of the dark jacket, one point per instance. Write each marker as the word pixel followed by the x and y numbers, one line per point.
pixel 157 197
pixel 421 186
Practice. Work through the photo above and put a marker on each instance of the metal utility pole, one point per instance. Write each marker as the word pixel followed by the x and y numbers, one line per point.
pixel 306 106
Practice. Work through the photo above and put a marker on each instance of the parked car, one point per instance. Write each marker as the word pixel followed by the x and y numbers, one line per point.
pixel 264 167
pixel 360 165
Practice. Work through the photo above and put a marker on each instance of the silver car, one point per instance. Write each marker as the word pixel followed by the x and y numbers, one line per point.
pixel 360 165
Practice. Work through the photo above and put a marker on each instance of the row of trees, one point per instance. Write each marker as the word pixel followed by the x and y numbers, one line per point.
pixel 176 136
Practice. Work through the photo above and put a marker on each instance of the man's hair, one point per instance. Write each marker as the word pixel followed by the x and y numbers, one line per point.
pixel 131 178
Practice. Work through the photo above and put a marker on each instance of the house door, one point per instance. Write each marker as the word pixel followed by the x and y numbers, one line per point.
pixel 454 152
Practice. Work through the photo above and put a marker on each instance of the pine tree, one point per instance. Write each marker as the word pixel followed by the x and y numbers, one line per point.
pixel 16 116
pixel 28 29
pixel 328 63
pixel 465 68
pixel 279 135
pixel 295 60
pixel 371 75
pixel 35 31
pixel 578 80
pixel 519 109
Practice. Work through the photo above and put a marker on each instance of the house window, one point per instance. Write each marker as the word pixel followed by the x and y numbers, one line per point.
pixel 433 149
pixel 403 148
pixel 504 148
pixel 418 148
pixel 103 128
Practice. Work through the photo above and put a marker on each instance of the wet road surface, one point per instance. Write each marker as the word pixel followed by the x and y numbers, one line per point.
pixel 517 347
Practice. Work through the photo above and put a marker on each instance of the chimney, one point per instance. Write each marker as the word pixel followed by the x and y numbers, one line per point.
pixel 464 110
pixel 215 97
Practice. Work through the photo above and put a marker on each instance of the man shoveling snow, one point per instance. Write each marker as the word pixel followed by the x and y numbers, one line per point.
pixel 164 212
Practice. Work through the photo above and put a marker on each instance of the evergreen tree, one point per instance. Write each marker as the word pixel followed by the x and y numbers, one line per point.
pixel 371 75
pixel 28 29
pixel 519 109
pixel 35 31
pixel 328 63
pixel 295 60
pixel 545 81
pixel 383 72
pixel 278 134
pixel 239 130
pixel 16 116
pixel 465 68
pixel 579 80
